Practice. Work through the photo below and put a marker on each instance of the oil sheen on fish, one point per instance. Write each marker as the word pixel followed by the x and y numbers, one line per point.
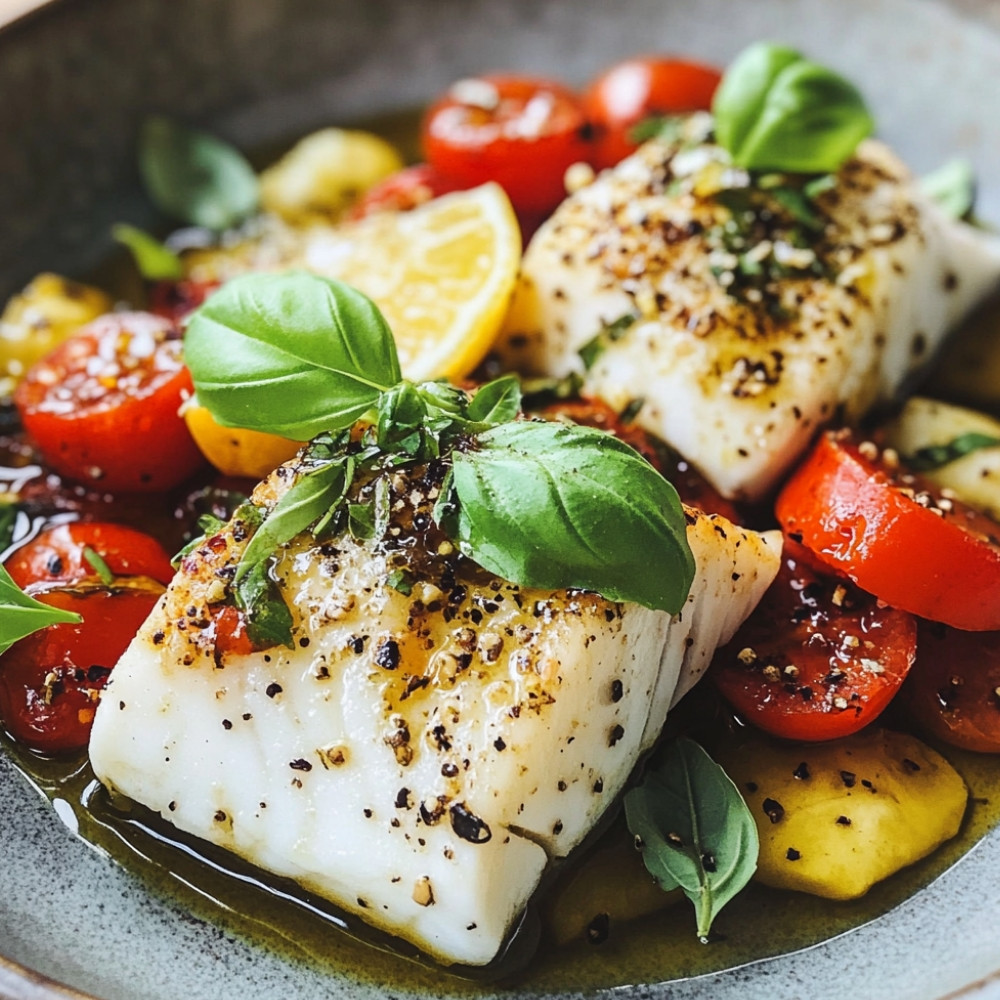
pixel 422 751
pixel 744 314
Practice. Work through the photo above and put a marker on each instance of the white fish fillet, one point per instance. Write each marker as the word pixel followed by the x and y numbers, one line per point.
pixel 736 389
pixel 418 759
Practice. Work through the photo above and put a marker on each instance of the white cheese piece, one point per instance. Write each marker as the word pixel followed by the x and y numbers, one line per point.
pixel 416 758
pixel 737 387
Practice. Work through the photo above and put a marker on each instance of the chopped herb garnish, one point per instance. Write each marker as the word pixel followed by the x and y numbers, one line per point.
pixel 934 456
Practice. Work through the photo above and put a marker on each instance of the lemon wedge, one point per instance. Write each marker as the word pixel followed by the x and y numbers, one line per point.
pixel 442 274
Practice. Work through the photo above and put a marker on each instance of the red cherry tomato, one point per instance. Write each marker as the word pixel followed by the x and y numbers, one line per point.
pixel 953 690
pixel 50 682
pixel 640 88
pixel 102 407
pixel 818 658
pixel 894 534
pixel 401 191
pixel 691 486
pixel 58 555
pixel 176 300
pixel 520 132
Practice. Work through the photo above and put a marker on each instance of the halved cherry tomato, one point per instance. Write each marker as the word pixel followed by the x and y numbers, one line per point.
pixel 50 682
pixel 176 300
pixel 518 131
pixel 639 88
pixel 103 406
pixel 58 555
pixel 691 485
pixel 953 690
pixel 402 191
pixel 894 534
pixel 818 658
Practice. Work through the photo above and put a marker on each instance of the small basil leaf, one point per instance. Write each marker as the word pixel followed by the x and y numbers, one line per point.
pixel 291 354
pixel 936 455
pixel 776 110
pixel 99 566
pixel 368 521
pixel 21 615
pixel 557 506
pixel 695 829
pixel 609 333
pixel 195 177
pixel 269 621
pixel 307 501
pixel 401 580
pixel 154 261
pixel 497 402
pixel 953 187
pixel 402 414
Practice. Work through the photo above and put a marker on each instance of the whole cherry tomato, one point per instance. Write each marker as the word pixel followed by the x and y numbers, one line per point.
pixel 894 533
pixel 59 555
pixel 521 132
pixel 51 681
pixel 403 190
pixel 818 658
pixel 953 690
pixel 640 88
pixel 103 406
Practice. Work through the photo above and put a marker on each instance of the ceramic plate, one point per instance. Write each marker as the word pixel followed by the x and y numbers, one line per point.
pixel 263 70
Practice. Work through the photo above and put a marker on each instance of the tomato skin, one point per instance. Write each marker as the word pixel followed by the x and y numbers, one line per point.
pixel 863 517
pixel 952 691
pixel 640 88
pixel 56 556
pixel 849 656
pixel 50 681
pixel 521 132
pixel 103 406
pixel 402 191
pixel 176 300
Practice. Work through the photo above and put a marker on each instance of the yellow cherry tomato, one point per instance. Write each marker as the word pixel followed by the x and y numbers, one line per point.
pixel 235 451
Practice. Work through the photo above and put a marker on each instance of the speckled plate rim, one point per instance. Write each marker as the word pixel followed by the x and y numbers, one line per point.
pixel 17 982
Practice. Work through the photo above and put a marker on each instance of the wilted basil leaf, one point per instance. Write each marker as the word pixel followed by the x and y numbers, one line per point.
pixel 291 354
pixel 21 615
pixel 776 110
pixel 195 177
pixel 695 829
pixel 556 506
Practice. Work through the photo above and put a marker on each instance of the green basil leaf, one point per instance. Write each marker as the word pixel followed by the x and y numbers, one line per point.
pixel 556 506
pixel 195 177
pixel 369 520
pixel 99 566
pixel 269 621
pixel 21 615
pixel 402 416
pixel 497 402
pixel 953 187
pixel 401 580
pixel 776 110
pixel 695 830
pixel 291 354
pixel 936 455
pixel 609 333
pixel 154 261
pixel 313 494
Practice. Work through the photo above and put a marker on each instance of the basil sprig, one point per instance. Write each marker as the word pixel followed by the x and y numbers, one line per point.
pixel 194 177
pixel 21 615
pixel 777 110
pixel 936 455
pixel 694 829
pixel 154 261
pixel 542 505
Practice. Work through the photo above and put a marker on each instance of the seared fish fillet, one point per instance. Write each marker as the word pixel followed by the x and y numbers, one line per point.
pixel 737 380
pixel 418 758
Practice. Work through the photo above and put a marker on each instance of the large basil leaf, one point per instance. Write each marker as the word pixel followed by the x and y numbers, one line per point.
pixel 195 177
pixel 21 615
pixel 777 110
pixel 292 354
pixel 555 506
pixel 694 828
